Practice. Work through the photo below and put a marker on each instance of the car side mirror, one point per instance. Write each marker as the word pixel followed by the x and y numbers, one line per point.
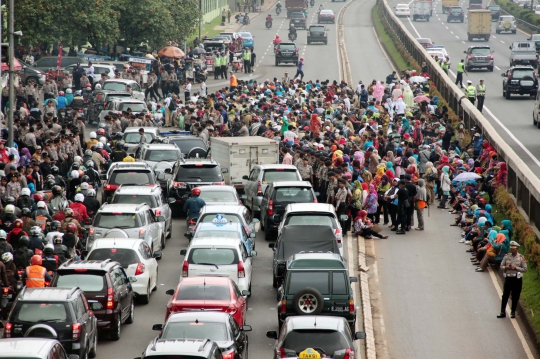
pixel 224 170
pixel 171 200
pixel 255 220
pixel 246 293
pixel 132 279
pixel 272 245
pixel 246 328
pixel 359 335
pixel 157 254
pixel 272 334
pixel 253 254
pixel 169 291
pixel 157 327
pixel 353 279
pixel 245 177
pixel 252 235
pixel 183 252
pixel 160 219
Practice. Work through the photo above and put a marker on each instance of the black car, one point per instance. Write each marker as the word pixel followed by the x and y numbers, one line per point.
pixel 496 12
pixel 183 348
pixel 60 313
pixel 520 80
pixel 317 33
pixel 455 13
pixel 298 19
pixel 107 287
pixel 219 327
pixel 286 52
pixel 190 146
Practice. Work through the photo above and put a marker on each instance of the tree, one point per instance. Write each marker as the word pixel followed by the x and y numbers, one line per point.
pixel 37 19
pixel 185 14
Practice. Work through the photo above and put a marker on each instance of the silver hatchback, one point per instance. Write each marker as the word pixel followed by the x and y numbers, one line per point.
pixel 506 23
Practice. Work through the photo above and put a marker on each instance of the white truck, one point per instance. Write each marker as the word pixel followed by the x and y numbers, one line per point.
pixel 422 10
pixel 239 154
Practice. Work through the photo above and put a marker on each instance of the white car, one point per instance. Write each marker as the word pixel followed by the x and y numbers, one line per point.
pixel 402 10
pixel 137 259
pixel 220 195
pixel 218 257
pixel 98 70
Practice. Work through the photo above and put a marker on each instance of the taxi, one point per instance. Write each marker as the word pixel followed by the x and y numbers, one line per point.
pixel 221 227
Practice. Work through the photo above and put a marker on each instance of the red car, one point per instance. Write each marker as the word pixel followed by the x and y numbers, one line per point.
pixel 209 294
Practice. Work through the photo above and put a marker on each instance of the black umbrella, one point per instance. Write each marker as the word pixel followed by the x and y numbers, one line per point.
pixel 198 51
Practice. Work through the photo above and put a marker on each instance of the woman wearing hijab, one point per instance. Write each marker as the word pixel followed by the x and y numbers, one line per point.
pixel 357 201
pixel 370 204
pixel 378 176
pixel 315 125
pixel 378 91
pixel 506 224
pixel 363 227
pixel 445 187
pixel 382 188
pixel 405 126
pixel 498 249
pixel 390 174
pixel 500 178
pixel 398 161
pixel 421 203
pixel 400 107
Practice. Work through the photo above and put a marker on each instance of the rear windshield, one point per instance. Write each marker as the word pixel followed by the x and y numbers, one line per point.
pixel 218 256
pixel 217 196
pixel 41 312
pixel 131 177
pixel 328 340
pixel 287 47
pixel 135 137
pixel 455 9
pixel 519 74
pixel 123 95
pixel 271 176
pixel 494 8
pixel 231 218
pixel 297 15
pixel 192 173
pixel 173 356
pixel 306 219
pixel 162 155
pixel 187 145
pixel 116 220
pixel 316 28
pixel 293 194
pixel 318 280
pixel 88 282
pixel 481 51
pixel 134 199
pixel 124 256
pixel 135 107
pixel 216 233
pixel 114 86
pixel 208 292
pixel 213 331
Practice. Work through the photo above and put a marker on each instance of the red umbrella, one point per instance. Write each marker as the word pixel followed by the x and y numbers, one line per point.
pixel 171 51
pixel 16 66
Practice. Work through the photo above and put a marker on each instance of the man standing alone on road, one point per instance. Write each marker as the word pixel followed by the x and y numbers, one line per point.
pixel 480 95
pixel 513 265
pixel 300 69
pixel 460 71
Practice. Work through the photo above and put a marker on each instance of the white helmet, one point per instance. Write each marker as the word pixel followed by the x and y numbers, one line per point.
pixel 3 234
pixel 74 174
pixel 99 145
pixel 69 91
pixel 93 134
pixel 98 87
pixel 41 204
pixel 77 159
pixel 35 231
pixel 25 192
pixel 103 140
pixel 79 197
pixel 90 193
pixel 10 209
pixel 84 185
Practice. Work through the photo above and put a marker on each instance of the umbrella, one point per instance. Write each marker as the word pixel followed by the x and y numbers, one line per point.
pixel 421 98
pixel 418 79
pixel 466 176
pixel 171 51
pixel 16 66
pixel 198 51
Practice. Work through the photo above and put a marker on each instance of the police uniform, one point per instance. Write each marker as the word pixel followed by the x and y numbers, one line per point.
pixel 480 96
pixel 471 92
pixel 460 70
pixel 306 171
pixel 513 279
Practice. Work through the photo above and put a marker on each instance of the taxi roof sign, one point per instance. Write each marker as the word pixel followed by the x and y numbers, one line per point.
pixel 309 353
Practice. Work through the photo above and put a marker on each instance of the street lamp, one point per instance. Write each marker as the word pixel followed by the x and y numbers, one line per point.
pixel 11 57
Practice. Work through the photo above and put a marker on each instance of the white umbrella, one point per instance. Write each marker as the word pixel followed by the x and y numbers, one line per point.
pixel 417 79
pixel 466 176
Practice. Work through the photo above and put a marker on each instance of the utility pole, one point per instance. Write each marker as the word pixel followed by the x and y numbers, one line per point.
pixel 11 58
pixel 200 19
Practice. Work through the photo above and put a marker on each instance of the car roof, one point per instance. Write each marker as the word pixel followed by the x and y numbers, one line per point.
pixel 292 184
pixel 198 315
pixel 122 81
pixel 25 347
pixel 127 243
pixel 310 207
pixel 325 258
pixel 121 207
pixel 130 190
pixel 129 165
pixel 146 129
pixel 315 322
pixel 47 294
pixel 162 146
pixel 327 11
pixel 227 227
pixel 190 161
pixel 128 100
pixel 282 43
pixel 225 209
pixel 178 347
pixel 276 166
pixel 218 242
pixel 88 264
pixel 217 188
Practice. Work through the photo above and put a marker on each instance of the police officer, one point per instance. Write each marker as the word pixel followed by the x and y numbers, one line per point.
pixel 480 94
pixel 513 265
pixel 460 71
pixel 471 91
pixel 446 66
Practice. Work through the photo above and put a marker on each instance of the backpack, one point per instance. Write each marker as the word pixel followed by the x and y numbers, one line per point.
pixel 21 257
pixel 172 105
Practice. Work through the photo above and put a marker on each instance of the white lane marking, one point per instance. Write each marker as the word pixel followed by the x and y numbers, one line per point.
pixel 451 32
pixel 502 41
pixel 446 27
pixel 497 67
pixel 462 41
pixel 494 36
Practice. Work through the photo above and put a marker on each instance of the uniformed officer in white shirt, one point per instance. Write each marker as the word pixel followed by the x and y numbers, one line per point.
pixel 513 265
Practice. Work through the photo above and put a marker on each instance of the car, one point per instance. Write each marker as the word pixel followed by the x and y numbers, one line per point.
pixel 154 153
pixel 402 10
pixel 536 9
pixel 108 290
pixel 276 197
pixel 182 348
pixel 211 294
pixel 118 65
pixel 220 195
pixel 260 177
pixel 47 62
pixel 35 348
pixel 496 12
pixel 135 257
pixel 249 40
pixel 298 19
pixel 475 7
pixel 226 257
pixel 129 221
pixel 121 85
pixel 506 23
pixel 98 70
pixel 100 100
pixel 326 15
pixel 232 213
pixel 536 39
pixel 126 173
pixel 455 13
pixel 190 146
pixel 326 335
pixel 220 328
pixel 221 228
pixel 426 42
pixel 520 80
pixel 317 33
pixel 152 195
pixel 316 284
pixel 286 52
pixel 59 313
pixel 523 53
pixel 437 53
pixel 117 105
pixel 225 38
pixel 479 56
pixel 132 137
pixel 233 35
pixel 28 73
pixel 212 46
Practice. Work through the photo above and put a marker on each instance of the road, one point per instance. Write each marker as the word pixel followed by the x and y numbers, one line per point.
pixel 512 118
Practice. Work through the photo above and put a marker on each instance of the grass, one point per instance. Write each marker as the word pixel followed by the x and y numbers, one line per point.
pixel 208 28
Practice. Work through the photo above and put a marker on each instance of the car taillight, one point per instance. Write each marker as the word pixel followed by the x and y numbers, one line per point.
pixel 282 353
pixel 270 210
pixel 241 270
pixel 331 16
pixel 349 354
pixel 490 56
pixel 191 222
pixel 470 57
pixel 91 231
pixel 7 330
pixel 315 200
pixel 228 355
pixel 179 184
pixel 338 235
pixel 142 232
pixel 105 104
pixel 157 212
pixel 76 331
pixel 351 306
pixel 110 298
pixel 320 15
pixel 140 269
pixel 111 187
pixel 6 290
pixel 296 50
pixel 259 188
pixel 283 306
pixel 185 268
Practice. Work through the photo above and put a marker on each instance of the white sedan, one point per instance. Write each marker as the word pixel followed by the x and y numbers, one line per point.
pixel 402 10
pixel 135 256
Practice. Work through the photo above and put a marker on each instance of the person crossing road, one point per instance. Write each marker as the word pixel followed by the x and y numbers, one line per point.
pixel 480 95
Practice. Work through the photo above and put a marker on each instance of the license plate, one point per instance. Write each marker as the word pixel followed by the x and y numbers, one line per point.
pixel 8 296
pixel 339 309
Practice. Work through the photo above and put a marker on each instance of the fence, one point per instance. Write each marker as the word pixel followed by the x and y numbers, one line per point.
pixel 522 183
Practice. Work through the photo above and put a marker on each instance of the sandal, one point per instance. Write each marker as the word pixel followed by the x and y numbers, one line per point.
pixel 384 237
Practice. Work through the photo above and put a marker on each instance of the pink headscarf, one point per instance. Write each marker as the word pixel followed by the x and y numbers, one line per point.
pixel 378 91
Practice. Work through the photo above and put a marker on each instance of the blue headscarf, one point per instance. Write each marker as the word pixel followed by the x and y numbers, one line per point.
pixel 508 227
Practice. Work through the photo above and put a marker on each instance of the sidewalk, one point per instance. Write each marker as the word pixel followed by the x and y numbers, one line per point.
pixel 234 26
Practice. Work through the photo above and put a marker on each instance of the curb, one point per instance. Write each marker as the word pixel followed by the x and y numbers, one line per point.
pixel 371 352
pixel 346 73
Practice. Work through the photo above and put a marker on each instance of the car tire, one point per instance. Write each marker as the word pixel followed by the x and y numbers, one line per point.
pixel 497 32
pixel 507 94
pixel 274 281
pixel 326 42
pixel 163 244
pixel 169 233
pixel 145 299
pixel 131 317
pixel 115 335
pixel 157 277
pixel 303 302
pixel 83 353
pixel 513 32
pixel 490 69
pixel 35 79
pixel 93 351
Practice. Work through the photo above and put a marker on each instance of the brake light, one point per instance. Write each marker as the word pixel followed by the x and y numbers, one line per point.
pixel 331 16
pixel 282 353
pixel 283 306
pixel 157 212
pixel 295 50
pixel 105 104
pixel 338 235
pixel 349 354
pixel 76 331
pixel 259 188
pixel 490 56
pixel 191 222
pixel 185 268
pixel 241 270
pixel 140 269
pixel 111 187
pixel 110 298
pixel 142 232
pixel 351 306
pixel 179 184
pixel 315 200
pixel 6 290
pixel 91 231
pixel 81 270
pixel 7 330
pixel 228 355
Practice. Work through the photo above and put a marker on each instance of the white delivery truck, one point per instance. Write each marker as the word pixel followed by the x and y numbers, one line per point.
pixel 239 154
pixel 422 10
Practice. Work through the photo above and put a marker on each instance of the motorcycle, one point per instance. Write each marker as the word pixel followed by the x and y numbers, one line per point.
pixel 190 224
pixel 278 10
pixel 292 36
pixel 245 21
pixel 268 24
pixel 20 282
pixel 312 3
pixel 8 295
pixel 200 76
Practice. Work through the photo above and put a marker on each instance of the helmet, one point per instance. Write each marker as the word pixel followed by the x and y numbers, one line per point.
pixel 78 93
pixel 55 224
pixel 61 93
pixel 49 248
pixel 94 148
pixel 24 241
pixel 7 257
pixel 41 204
pixel 88 153
pixel 79 197
pixel 120 145
pixel 50 183
pixel 98 87
pixel 91 193
pixel 55 170
pixel 36 260
pixel 101 131
pixel 10 199
pixel 17 223
pixel 103 140
pixel 3 234
pixel 10 209
pixel 77 159
pixel 75 166
pixel 277 36
pixel 93 134
pixel 86 179
pixel 38 197
pixel 99 145
pixel 84 185
pixel 89 85
pixel 68 212
pixel 69 91
pixel 26 212
pixel 71 227
pixel 90 164
pixel 50 177
pixel 56 190
pixel 58 239
pixel 25 192
pixel 35 231
pixel 196 192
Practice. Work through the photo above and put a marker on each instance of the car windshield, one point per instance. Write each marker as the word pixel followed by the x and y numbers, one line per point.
pixel 316 28
pixel 114 86
pixel 162 155
pixel 305 219
pixel 455 9
pixel 216 233
pixel 519 74
pixel 134 106
pixel 193 173
pixel 135 137
pixel 217 196
pixel 88 282
pixel 130 177
pixel 218 256
pixel 124 256
pixel 116 220
pixel 134 199
pixel 297 15
pixel 41 312
pixel 186 145
pixel 118 95
pixel 293 195
pixel 328 340
pixel 494 8
pixel 317 279
pixel 244 35
pixel 481 51
pixel 197 330
pixel 287 47
pixel 270 176
pixel 231 218
pixel 201 291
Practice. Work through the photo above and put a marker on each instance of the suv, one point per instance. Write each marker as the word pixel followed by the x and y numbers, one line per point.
pixel 126 173
pixel 107 287
pixel 190 146
pixel 100 99
pixel 298 19
pixel 182 348
pixel 132 137
pixel 128 221
pixel 521 80
pixel 317 33
pixel 286 52
pixel 455 13
pixel 152 195
pixel 153 153
pixel 260 177
pixel 276 197
pixel 506 23
pixel 118 105
pixel 479 56
pixel 61 313
pixel 317 284
pixel 495 12
pixel 35 348
pixel 121 85
pixel 47 62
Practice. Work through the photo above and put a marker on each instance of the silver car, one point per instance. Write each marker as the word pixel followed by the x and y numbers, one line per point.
pixel 220 195
pixel 118 105
pixel 153 153
pixel 478 57
pixel 132 138
pixel 506 23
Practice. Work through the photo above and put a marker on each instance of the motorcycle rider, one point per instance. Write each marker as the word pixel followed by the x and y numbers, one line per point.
pixel 55 230
pixel 36 239
pixel 41 211
pixel 194 204
pixel 78 208
pixel 91 203
pixel 50 260
pixel 78 101
pixel 119 153
pixel 278 5
pixel 292 32
pixel 321 7
pixel 5 247
pixel 93 175
pixel 16 234
pixel 24 200
pixel 59 202
pixel 59 180
pixel 246 19
pixel 11 270
pixel 70 239
pixel 10 200
pixel 8 218
pixel 35 275
pixel 4 281
pixel 269 18
pixel 71 218
pixel 60 249
pixel 28 222
pixel 277 40
pixel 22 255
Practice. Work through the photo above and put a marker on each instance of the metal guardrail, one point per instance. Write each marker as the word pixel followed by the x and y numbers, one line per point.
pixel 522 22
pixel 523 184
